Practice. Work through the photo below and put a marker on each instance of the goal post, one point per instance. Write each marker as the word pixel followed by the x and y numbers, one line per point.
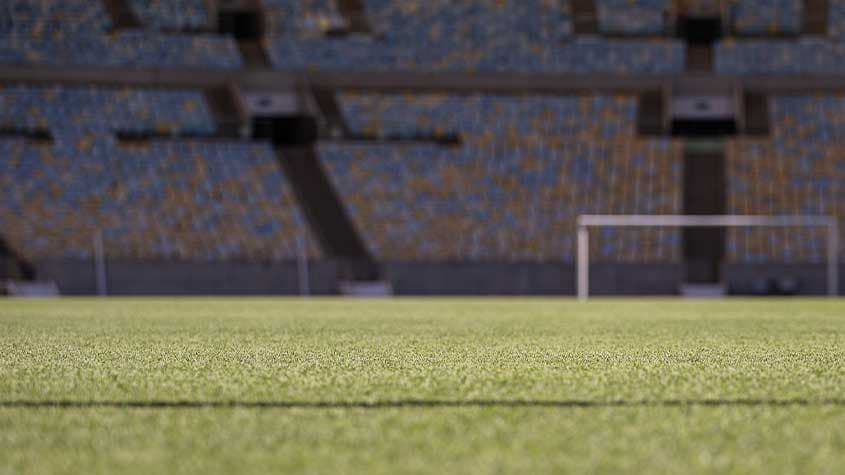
pixel 587 221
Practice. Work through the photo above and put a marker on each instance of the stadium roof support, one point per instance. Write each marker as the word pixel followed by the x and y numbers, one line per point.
pixel 584 222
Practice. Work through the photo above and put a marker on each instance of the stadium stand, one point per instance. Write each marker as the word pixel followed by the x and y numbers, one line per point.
pixel 79 32
pixel 172 14
pixel 583 55
pixel 180 200
pixel 770 178
pixel 53 18
pixel 174 199
pixel 419 177
pixel 66 110
pixel 799 170
pixel 803 56
pixel 805 120
pixel 514 187
pixel 125 48
pixel 520 119
pixel 302 18
pixel 474 36
pixel 637 17
pixel 766 17
pixel 473 21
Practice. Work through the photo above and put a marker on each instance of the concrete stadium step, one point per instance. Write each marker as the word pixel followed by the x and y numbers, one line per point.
pixel 377 288
pixel 703 290
pixel 16 288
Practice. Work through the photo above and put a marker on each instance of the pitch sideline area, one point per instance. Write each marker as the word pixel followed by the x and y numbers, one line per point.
pixel 421 385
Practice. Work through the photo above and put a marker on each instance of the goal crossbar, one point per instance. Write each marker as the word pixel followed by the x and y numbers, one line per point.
pixel 586 221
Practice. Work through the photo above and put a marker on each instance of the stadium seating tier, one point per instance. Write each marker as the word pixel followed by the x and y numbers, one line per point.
pixel 527 166
pixel 179 200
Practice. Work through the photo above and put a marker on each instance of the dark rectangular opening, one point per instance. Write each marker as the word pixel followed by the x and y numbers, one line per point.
pixel 699 30
pixel 704 194
pixel 242 24
pixel 650 113
pixel 756 114
pixel 294 130
pixel 35 135
pixel 443 140
pixel 703 128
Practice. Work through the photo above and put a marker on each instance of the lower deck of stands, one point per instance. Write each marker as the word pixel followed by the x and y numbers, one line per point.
pixel 179 200
pixel 505 203
pixel 771 178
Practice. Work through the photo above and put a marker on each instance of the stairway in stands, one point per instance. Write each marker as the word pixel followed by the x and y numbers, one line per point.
pixel 294 135
pixel 13 267
pixel 323 208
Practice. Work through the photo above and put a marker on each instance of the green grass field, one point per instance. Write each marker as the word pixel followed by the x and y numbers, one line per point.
pixel 422 386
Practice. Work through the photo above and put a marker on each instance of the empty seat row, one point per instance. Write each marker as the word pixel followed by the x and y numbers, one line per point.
pixel 69 110
pixel 633 17
pixel 766 17
pixel 54 19
pixel 581 56
pixel 804 56
pixel 301 18
pixel 497 117
pixel 807 119
pixel 173 14
pixel 128 48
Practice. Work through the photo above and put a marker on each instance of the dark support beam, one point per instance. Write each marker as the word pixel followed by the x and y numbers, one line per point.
pixel 224 105
pixel 651 113
pixel 756 110
pixel 326 215
pixel 815 17
pixel 585 19
pixel 12 265
pixel 330 111
pixel 253 54
pixel 355 13
pixel 121 13
pixel 35 135
pixel 699 58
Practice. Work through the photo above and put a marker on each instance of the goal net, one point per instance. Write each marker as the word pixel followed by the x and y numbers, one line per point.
pixel 587 221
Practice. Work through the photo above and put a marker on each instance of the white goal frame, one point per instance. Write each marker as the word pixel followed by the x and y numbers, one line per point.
pixel 585 221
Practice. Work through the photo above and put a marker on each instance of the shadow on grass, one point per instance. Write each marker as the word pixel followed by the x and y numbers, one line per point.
pixel 415 403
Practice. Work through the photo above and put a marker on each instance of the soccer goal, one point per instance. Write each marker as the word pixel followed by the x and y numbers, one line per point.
pixel 587 221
